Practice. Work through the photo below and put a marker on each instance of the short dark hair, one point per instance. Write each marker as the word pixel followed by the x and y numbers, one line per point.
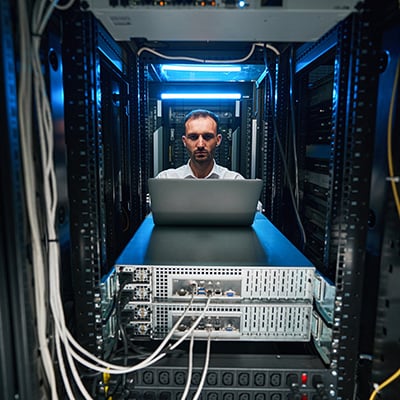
pixel 201 113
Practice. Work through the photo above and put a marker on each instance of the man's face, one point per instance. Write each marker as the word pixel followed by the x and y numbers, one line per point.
pixel 201 139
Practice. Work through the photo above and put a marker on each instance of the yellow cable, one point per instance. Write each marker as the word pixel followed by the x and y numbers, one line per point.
pixel 384 384
pixel 389 140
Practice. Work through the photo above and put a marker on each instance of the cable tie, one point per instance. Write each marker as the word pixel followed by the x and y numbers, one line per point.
pixel 53 240
pixel 395 179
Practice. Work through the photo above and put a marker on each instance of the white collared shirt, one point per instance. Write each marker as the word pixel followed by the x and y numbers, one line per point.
pixel 185 172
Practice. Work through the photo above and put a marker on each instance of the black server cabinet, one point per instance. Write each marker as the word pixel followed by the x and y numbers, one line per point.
pixel 104 121
pixel 337 84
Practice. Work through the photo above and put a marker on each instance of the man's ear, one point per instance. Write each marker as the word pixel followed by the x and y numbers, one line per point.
pixel 184 140
pixel 219 139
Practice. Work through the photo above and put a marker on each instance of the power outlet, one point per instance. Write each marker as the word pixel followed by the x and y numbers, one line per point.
pixel 212 379
pixel 276 396
pixel 259 396
pixel 148 378
pixel 244 379
pixel 135 395
pixel 275 379
pixel 244 396
pixel 196 378
pixel 163 378
pixel 149 396
pixel 259 379
pixel 212 396
pixel 227 379
pixel 228 396
pixel 180 378
pixel 165 396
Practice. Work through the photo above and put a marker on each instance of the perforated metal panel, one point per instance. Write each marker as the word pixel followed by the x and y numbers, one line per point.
pixel 255 283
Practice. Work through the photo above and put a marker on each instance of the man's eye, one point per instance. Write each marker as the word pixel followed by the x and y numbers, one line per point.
pixel 192 137
pixel 208 136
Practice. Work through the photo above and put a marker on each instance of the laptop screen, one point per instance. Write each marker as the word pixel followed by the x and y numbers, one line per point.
pixel 211 202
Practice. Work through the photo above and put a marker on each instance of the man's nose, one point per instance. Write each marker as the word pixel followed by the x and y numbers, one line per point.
pixel 200 141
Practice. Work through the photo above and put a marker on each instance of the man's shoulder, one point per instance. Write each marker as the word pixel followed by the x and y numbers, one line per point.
pixel 172 173
pixel 225 173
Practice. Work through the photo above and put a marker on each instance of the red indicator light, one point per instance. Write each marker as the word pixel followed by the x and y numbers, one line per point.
pixel 304 378
pixel 304 396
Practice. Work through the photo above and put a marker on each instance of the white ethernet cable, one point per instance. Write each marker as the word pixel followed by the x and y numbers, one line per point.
pixel 190 369
pixel 28 165
pixel 193 326
pixel 205 61
pixel 205 369
pixel 154 357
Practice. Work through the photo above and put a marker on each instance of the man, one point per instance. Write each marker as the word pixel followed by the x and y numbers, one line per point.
pixel 201 139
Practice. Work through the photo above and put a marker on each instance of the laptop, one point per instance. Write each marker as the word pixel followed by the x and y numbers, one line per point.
pixel 210 202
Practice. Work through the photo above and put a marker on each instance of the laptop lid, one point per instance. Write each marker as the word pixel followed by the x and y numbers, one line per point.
pixel 211 202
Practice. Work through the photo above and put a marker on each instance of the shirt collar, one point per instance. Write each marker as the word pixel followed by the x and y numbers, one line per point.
pixel 213 174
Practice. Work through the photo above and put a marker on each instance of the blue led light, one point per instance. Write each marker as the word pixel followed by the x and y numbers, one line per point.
pixel 201 68
pixel 222 96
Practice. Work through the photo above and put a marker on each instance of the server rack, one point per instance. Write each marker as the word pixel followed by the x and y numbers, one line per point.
pixel 104 161
pixel 336 168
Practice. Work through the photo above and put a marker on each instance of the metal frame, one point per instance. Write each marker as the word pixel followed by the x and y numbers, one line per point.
pixel 82 51
pixel 355 85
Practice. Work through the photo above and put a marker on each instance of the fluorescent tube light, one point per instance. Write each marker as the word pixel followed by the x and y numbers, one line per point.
pixel 222 96
pixel 201 68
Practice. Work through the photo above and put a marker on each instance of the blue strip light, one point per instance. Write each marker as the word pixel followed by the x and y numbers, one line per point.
pixel 217 96
pixel 201 68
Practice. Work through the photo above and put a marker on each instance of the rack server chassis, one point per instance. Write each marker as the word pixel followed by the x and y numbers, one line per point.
pixel 260 285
